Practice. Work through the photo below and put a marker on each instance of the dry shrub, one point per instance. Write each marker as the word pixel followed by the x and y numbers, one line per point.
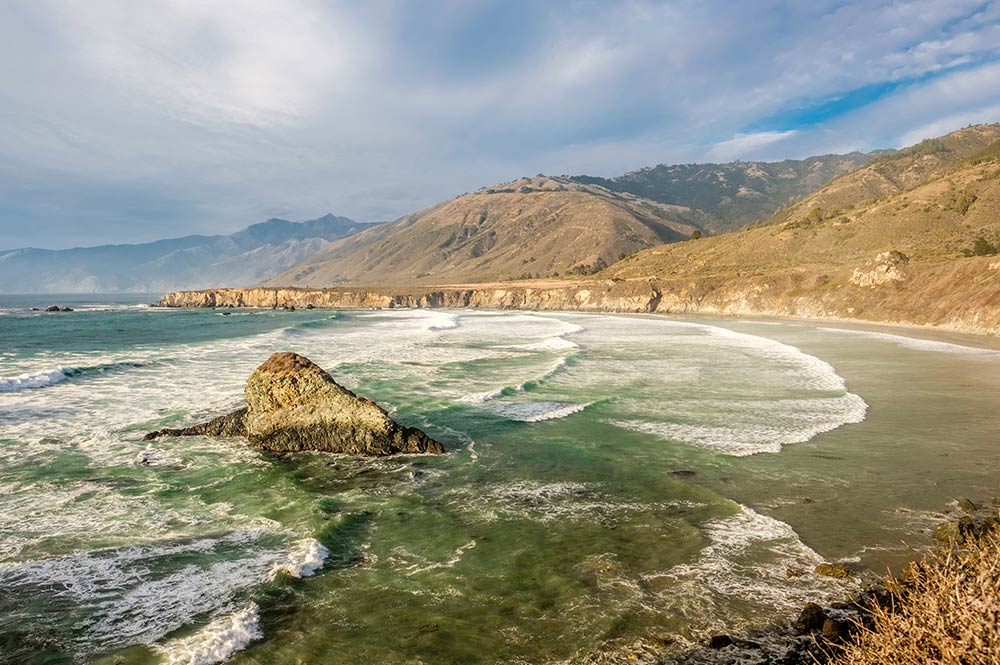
pixel 946 610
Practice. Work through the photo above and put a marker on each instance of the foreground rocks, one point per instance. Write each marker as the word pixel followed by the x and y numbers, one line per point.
pixel 293 405
pixel 841 632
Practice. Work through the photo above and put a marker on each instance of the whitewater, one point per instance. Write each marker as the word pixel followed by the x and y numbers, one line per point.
pixel 606 477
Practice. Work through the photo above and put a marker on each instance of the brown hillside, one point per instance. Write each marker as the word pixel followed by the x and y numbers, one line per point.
pixel 532 227
pixel 936 207
pixel 893 173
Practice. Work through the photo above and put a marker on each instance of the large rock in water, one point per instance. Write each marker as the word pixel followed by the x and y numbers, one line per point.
pixel 293 405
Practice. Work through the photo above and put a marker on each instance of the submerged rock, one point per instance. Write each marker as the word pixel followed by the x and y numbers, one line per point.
pixel 832 570
pixel 293 405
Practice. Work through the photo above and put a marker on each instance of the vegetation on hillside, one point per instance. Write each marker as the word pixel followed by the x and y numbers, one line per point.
pixel 950 211
pixel 945 610
pixel 734 194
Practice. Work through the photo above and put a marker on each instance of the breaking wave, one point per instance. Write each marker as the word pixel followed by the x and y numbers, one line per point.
pixel 750 558
pixel 800 420
pixel 534 412
pixel 917 343
pixel 217 641
pixel 45 378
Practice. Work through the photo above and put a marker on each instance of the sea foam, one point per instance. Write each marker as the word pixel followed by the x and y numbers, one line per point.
pixel 793 421
pixel 534 412
pixel 747 561
pixel 217 641
pixel 307 557
pixel 918 344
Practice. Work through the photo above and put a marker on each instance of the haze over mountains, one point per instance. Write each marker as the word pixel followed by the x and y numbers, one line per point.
pixel 245 257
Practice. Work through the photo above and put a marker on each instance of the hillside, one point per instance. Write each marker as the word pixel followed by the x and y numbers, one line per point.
pixel 734 194
pixel 915 229
pixel 923 252
pixel 245 257
pixel 532 227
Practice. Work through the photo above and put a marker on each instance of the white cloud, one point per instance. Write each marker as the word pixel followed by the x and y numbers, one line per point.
pixel 254 62
pixel 950 123
pixel 205 115
pixel 743 145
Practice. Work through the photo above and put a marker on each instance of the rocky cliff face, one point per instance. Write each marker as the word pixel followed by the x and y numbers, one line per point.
pixel 962 296
pixel 293 405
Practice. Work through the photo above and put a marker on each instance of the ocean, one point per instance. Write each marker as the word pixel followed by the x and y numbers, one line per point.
pixel 612 484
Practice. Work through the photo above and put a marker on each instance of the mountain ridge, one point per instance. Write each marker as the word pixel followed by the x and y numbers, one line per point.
pixel 586 223
pixel 924 252
pixel 530 227
pixel 734 194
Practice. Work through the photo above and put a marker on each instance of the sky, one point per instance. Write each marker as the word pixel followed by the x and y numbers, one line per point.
pixel 128 122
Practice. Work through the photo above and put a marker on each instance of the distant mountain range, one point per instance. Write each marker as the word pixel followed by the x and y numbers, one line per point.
pixel 249 256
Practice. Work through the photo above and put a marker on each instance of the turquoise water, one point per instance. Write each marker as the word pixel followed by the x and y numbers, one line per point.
pixel 612 485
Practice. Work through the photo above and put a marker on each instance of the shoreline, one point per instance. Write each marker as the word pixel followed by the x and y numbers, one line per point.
pixel 543 298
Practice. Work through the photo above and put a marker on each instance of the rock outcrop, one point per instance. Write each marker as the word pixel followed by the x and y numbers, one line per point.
pixel 887 267
pixel 293 405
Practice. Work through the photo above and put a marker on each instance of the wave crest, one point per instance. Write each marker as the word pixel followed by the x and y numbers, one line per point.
pixel 50 377
pixel 217 641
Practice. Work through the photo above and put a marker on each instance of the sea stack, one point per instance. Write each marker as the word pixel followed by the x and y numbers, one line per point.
pixel 293 405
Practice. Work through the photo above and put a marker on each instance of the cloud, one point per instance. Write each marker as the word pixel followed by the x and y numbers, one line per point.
pixel 742 145
pixel 122 123
pixel 949 123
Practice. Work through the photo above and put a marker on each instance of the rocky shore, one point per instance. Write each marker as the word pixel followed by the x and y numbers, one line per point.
pixel 918 301
pixel 854 630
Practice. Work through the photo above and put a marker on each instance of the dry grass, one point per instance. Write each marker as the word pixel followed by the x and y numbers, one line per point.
pixel 946 610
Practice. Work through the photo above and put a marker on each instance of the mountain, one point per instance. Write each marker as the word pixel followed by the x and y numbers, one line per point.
pixel 923 250
pixel 909 237
pixel 546 227
pixel 245 257
pixel 532 227
pixel 734 194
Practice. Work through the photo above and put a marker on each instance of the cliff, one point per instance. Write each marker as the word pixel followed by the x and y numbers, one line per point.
pixel 954 295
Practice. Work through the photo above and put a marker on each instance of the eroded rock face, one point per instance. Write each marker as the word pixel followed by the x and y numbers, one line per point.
pixel 293 405
pixel 886 268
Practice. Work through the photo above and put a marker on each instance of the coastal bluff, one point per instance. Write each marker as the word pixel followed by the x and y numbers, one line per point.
pixel 963 296
pixel 294 405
